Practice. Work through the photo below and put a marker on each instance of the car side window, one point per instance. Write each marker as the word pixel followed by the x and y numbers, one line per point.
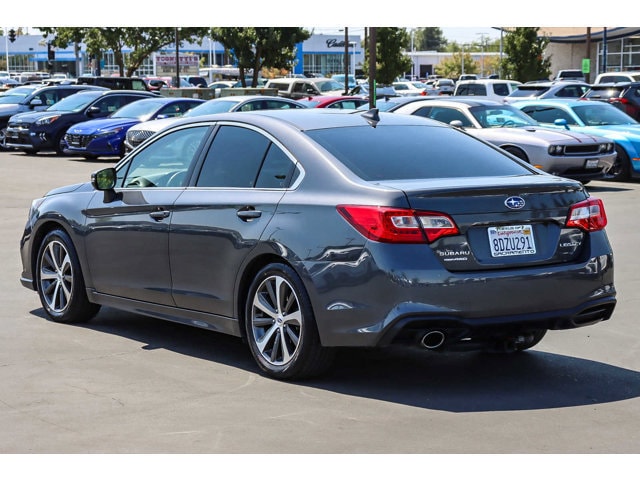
pixel 548 114
pixel 234 158
pixel 165 162
pixel 501 89
pixel 172 110
pixel 278 171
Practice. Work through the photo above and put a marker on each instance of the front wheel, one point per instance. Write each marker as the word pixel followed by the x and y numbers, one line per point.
pixel 60 283
pixel 280 325
pixel 621 169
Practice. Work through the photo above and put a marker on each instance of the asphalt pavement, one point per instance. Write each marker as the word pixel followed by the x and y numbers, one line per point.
pixel 126 384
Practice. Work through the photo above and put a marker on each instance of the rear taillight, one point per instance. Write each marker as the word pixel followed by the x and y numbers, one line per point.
pixel 398 225
pixel 588 215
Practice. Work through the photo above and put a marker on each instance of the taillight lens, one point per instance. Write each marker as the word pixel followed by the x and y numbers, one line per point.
pixel 398 225
pixel 588 215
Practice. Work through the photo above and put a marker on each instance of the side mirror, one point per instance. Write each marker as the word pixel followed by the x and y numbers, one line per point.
pixel 36 102
pixel 561 122
pixel 93 111
pixel 105 180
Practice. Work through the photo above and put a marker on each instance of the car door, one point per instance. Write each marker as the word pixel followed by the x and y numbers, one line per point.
pixel 218 223
pixel 127 234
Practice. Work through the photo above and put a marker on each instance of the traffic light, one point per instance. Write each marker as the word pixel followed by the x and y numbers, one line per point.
pixel 12 35
pixel 51 54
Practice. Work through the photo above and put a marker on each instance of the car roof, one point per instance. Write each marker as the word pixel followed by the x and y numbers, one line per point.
pixel 471 101
pixel 489 80
pixel 569 102
pixel 310 118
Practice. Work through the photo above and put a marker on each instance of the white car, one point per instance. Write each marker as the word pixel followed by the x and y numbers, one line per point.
pixel 240 103
pixel 492 89
pixel 409 89
pixel 579 156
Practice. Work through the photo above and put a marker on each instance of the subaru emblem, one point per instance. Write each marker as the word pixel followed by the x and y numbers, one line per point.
pixel 514 203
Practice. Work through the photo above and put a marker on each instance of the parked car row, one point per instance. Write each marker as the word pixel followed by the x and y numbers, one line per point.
pixel 93 124
pixel 580 156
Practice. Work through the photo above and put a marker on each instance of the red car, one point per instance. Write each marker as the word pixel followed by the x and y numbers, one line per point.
pixel 325 101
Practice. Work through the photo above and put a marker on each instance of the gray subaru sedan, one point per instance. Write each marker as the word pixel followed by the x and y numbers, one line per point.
pixel 306 230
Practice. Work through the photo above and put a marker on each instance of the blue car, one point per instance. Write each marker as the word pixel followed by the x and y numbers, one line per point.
pixel 596 118
pixel 104 137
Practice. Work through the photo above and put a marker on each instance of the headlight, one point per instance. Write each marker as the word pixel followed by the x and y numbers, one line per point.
pixel 108 133
pixel 556 150
pixel 606 148
pixel 47 120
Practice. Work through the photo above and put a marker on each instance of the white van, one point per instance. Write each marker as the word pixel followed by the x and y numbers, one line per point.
pixel 492 89
pixel 298 88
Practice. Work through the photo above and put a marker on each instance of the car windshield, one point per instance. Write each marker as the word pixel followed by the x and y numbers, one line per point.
pixel 142 111
pixel 597 113
pixel 310 103
pixel 398 152
pixel 501 116
pixel 329 85
pixel 75 102
pixel 212 106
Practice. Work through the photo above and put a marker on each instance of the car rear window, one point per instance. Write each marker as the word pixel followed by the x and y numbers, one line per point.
pixel 603 93
pixel 399 152
pixel 472 89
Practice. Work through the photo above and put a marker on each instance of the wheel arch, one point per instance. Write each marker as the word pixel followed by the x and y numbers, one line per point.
pixel 38 235
pixel 516 150
pixel 244 282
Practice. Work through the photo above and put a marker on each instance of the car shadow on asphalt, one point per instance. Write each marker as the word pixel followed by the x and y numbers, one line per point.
pixel 454 382
pixel 607 187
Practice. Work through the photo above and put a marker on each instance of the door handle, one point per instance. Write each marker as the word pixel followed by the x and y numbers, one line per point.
pixel 159 215
pixel 249 214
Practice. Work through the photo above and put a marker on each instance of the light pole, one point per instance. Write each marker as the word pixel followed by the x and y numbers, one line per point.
pixel 177 58
pixel 346 60
pixel 482 40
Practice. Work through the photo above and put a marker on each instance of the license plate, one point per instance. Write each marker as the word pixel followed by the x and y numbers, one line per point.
pixel 592 163
pixel 511 240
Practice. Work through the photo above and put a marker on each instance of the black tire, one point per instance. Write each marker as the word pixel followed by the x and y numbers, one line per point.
pixel 60 283
pixel 281 328
pixel 621 170
pixel 59 145
pixel 3 138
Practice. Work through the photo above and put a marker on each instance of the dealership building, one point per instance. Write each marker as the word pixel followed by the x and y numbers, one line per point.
pixel 605 48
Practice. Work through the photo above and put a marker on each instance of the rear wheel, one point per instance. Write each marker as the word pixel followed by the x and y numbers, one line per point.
pixel 60 283
pixel 280 325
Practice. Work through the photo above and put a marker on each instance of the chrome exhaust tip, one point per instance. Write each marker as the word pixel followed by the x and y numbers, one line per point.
pixel 433 339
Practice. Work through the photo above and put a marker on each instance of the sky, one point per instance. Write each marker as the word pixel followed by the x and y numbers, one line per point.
pixel 457 22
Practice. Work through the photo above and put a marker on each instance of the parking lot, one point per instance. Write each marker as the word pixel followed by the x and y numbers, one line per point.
pixel 129 384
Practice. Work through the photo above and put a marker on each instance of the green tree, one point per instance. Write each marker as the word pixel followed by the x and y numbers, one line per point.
pixel 428 38
pixel 143 41
pixel 452 67
pixel 260 47
pixel 391 61
pixel 524 51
